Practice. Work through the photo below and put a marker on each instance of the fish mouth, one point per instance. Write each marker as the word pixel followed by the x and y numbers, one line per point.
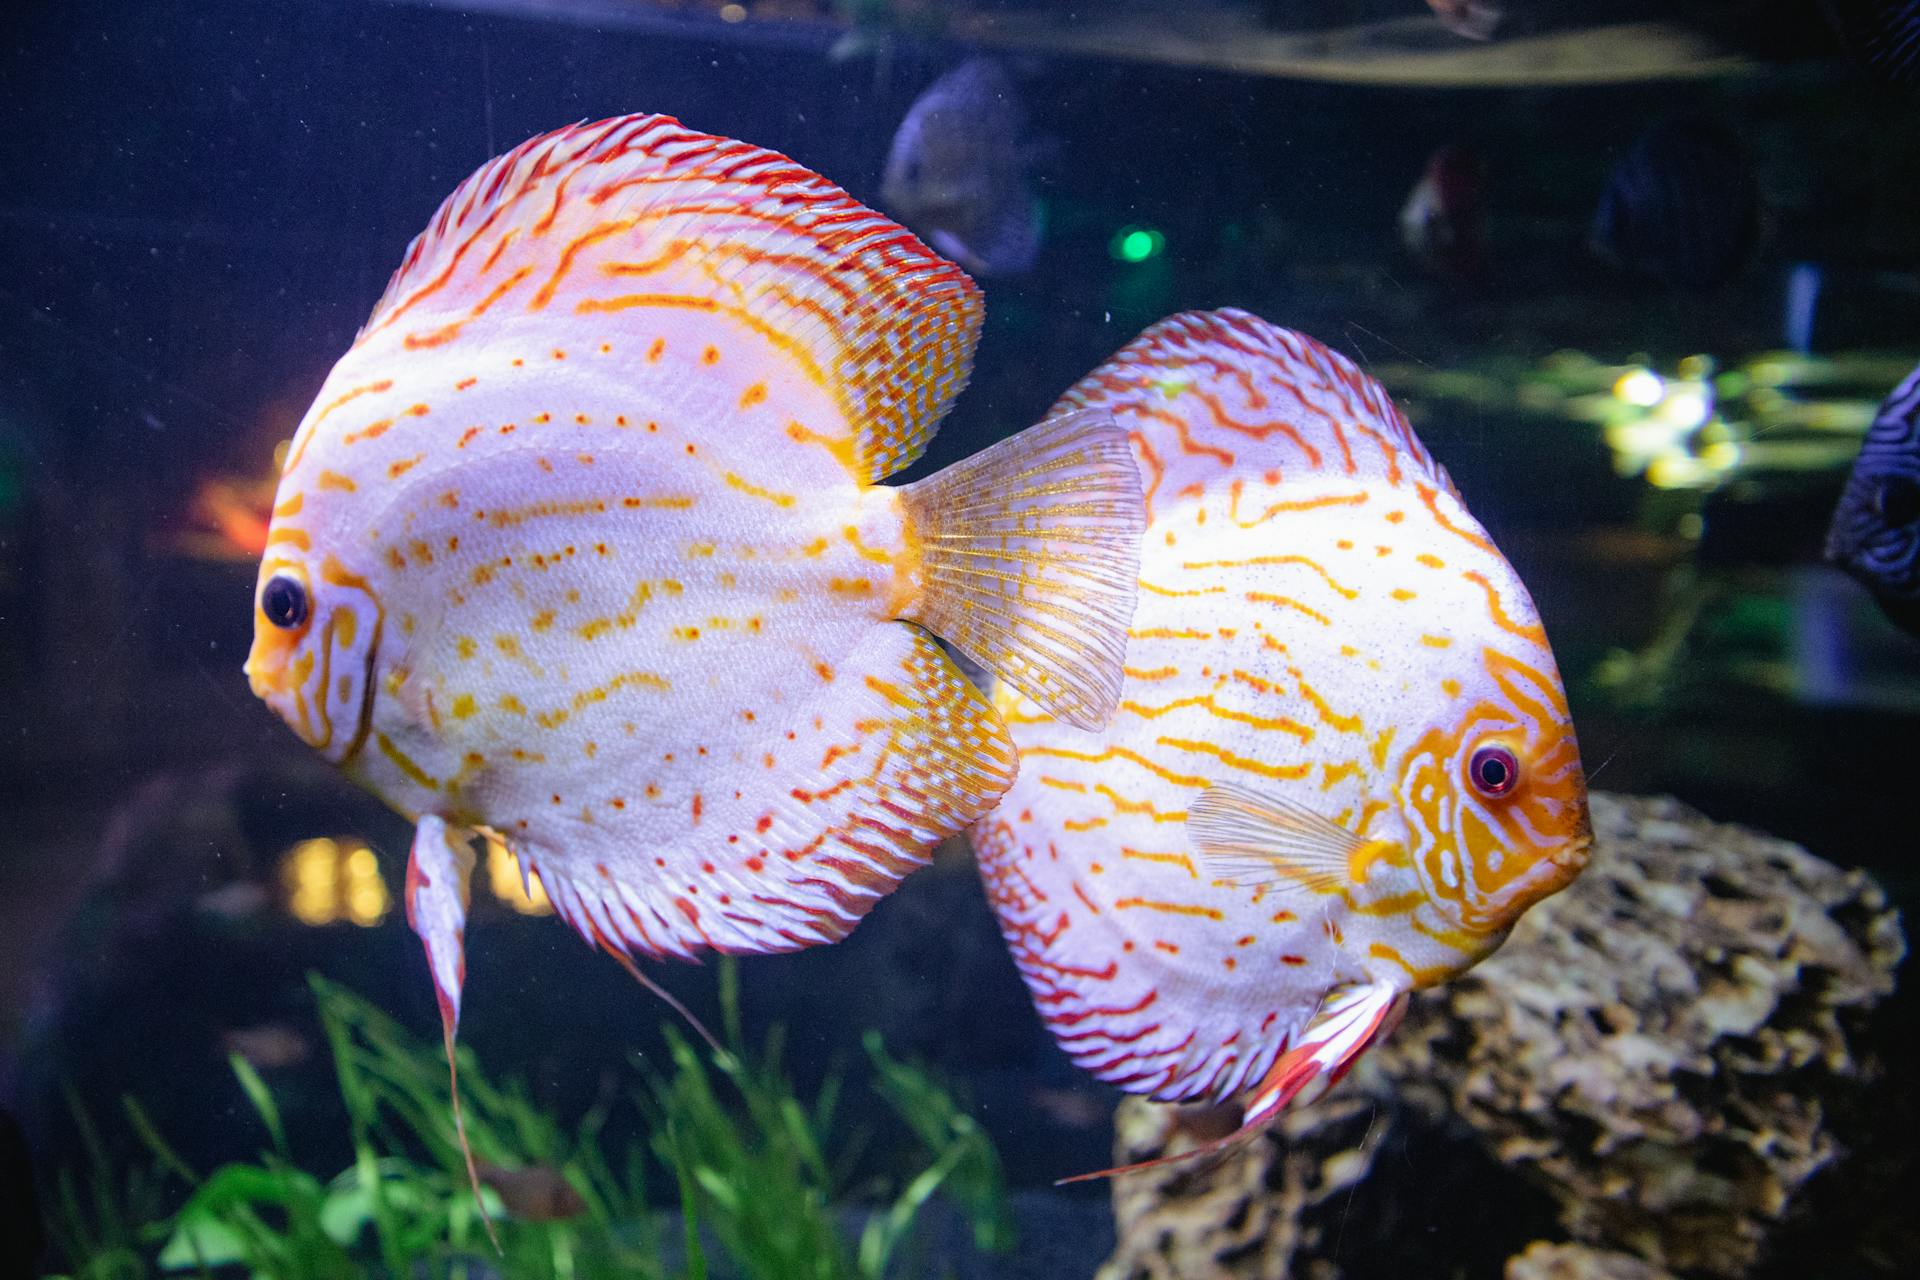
pixel 279 676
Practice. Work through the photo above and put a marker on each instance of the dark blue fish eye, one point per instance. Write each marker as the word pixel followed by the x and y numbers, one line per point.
pixel 1897 500
pixel 1494 771
pixel 284 601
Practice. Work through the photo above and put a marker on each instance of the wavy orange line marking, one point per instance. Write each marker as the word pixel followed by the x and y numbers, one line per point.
pixel 1182 432
pixel 1387 451
pixel 1283 771
pixel 1171 859
pixel 668 301
pixel 1280 724
pixel 371 388
pixel 1123 805
pixel 1430 497
pixel 1171 908
pixel 1120 753
pixel 1255 561
pixel 1345 724
pixel 1227 422
pixel 1304 504
pixel 1422 977
pixel 1287 602
pixel 755 491
pixel 1156 469
pixel 1166 591
pixel 1532 632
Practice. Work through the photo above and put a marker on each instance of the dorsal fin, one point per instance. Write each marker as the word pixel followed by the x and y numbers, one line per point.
pixel 1215 394
pixel 595 216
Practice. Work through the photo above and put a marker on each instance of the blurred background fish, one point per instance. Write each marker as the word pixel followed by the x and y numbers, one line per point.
pixel 1883 36
pixel 537 1193
pixel 1473 19
pixel 1443 223
pixel 1683 207
pixel 957 171
pixel 1875 534
pixel 268 1046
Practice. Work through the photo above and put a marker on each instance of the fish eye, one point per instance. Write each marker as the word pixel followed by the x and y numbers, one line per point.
pixel 284 601
pixel 1897 500
pixel 1493 771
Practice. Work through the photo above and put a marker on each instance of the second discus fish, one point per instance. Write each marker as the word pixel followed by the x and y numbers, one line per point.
pixel 1342 766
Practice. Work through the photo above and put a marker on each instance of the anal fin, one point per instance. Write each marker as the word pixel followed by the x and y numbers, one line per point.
pixel 1351 1019
pixel 437 873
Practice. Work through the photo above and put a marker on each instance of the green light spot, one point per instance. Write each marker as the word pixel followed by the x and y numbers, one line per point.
pixel 1137 244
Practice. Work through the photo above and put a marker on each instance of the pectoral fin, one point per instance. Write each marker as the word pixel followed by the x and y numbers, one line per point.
pixel 1251 838
pixel 1352 1018
pixel 437 872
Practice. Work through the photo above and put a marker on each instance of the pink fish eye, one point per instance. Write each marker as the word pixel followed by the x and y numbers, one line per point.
pixel 1493 771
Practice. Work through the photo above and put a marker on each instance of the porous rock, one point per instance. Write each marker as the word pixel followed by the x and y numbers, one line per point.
pixel 1546 1260
pixel 1672 1051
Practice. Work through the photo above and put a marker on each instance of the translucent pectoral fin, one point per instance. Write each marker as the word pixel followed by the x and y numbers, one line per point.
pixel 1351 1019
pixel 437 872
pixel 1257 839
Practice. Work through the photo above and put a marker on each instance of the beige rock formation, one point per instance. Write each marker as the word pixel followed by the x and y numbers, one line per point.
pixel 1673 1050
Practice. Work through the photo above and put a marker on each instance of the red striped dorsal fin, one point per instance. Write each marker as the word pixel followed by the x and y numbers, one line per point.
pixel 1222 394
pixel 640 211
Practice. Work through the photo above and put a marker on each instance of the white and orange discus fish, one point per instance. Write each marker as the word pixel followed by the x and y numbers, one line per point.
pixel 1342 764
pixel 581 548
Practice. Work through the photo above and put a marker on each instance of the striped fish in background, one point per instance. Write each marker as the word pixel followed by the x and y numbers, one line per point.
pixel 581 549
pixel 1342 764
pixel 1875 534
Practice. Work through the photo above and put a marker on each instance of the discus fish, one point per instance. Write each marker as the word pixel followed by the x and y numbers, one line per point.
pixel 1682 207
pixel 581 548
pixel 536 1193
pixel 1443 223
pixel 1342 764
pixel 268 1045
pixel 956 171
pixel 1875 534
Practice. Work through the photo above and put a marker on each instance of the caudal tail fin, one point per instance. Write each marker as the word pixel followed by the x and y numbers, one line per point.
pixel 1030 555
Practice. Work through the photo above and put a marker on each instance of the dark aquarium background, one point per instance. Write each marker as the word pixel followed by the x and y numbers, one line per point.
pixel 199 204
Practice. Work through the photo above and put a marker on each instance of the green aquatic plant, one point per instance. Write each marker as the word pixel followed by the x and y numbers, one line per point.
pixel 760 1175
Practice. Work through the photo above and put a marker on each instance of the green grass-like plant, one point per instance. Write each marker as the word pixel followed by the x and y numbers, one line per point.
pixel 762 1178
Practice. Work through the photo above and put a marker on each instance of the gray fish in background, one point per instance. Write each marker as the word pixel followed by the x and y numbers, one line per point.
pixel 1683 207
pixel 957 171
pixel 1875 535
